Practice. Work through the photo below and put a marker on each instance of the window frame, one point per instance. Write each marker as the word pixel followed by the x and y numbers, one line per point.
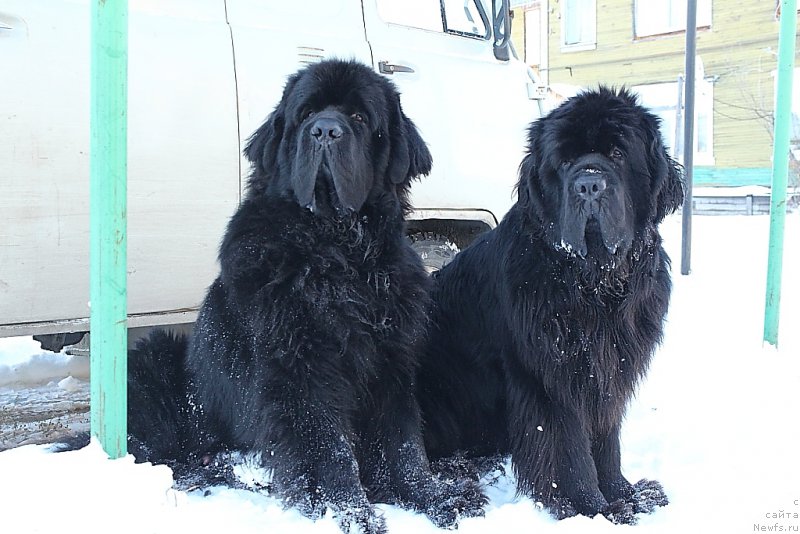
pixel 704 105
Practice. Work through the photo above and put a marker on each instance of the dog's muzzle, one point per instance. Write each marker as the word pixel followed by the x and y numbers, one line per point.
pixel 594 215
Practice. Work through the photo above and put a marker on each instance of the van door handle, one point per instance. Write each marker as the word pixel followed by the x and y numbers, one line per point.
pixel 388 68
pixel 4 23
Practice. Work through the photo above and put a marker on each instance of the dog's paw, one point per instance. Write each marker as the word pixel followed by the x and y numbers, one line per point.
pixel 360 520
pixel 460 465
pixel 453 501
pixel 621 512
pixel 559 507
pixel 648 495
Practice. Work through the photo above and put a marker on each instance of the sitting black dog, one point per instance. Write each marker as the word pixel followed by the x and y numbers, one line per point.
pixel 307 344
pixel 545 325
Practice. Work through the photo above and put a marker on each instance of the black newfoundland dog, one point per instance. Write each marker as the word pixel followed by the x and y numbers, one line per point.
pixel 545 325
pixel 307 344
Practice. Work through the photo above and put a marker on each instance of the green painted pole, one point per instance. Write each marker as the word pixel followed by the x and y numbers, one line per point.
pixel 780 168
pixel 108 225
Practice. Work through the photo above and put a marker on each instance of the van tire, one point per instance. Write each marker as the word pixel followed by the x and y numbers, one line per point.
pixel 435 249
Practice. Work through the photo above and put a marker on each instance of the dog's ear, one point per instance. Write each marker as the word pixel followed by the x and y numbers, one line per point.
pixel 262 147
pixel 670 198
pixel 409 157
pixel 667 176
pixel 528 172
pixel 528 188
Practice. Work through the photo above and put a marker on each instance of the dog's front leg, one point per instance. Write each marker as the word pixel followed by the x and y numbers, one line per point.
pixel 606 453
pixel 400 453
pixel 551 450
pixel 311 456
pixel 643 497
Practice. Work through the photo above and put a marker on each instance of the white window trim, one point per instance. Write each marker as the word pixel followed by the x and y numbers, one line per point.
pixel 794 135
pixel 704 20
pixel 704 158
pixel 578 47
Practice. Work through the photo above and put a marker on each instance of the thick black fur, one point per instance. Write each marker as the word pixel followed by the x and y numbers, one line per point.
pixel 158 407
pixel 306 346
pixel 545 325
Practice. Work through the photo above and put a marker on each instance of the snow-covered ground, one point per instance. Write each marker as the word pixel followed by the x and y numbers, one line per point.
pixel 43 396
pixel 717 422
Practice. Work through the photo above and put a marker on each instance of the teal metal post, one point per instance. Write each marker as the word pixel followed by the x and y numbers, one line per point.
pixel 780 168
pixel 688 136
pixel 108 224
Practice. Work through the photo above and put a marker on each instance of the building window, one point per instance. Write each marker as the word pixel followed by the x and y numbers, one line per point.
pixel 794 140
pixel 578 25
pixel 662 100
pixel 658 17
pixel 533 37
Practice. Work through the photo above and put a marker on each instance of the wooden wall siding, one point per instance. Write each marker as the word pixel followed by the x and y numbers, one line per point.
pixel 738 53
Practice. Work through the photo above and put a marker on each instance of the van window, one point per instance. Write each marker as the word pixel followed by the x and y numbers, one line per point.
pixel 465 17
pixel 459 17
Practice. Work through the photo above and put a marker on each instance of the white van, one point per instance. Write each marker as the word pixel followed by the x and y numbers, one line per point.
pixel 203 74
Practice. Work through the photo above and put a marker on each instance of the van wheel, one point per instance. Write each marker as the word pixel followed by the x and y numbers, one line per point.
pixel 435 249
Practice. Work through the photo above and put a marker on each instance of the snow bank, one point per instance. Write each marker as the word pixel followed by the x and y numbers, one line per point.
pixel 82 491
pixel 43 367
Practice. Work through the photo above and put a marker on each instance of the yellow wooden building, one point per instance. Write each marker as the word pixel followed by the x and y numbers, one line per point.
pixel 577 44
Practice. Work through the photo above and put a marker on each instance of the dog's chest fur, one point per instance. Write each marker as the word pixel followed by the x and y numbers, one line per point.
pixel 351 286
pixel 599 321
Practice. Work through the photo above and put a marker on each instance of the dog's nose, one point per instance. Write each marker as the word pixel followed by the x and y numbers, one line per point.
pixel 590 185
pixel 326 131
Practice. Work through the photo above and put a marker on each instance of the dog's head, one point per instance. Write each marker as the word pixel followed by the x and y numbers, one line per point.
pixel 597 174
pixel 337 137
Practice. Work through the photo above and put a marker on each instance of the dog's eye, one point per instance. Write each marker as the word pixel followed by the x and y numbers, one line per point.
pixel 358 117
pixel 616 153
pixel 307 113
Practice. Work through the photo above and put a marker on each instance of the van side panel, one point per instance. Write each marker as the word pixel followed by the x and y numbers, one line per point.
pixel 183 156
